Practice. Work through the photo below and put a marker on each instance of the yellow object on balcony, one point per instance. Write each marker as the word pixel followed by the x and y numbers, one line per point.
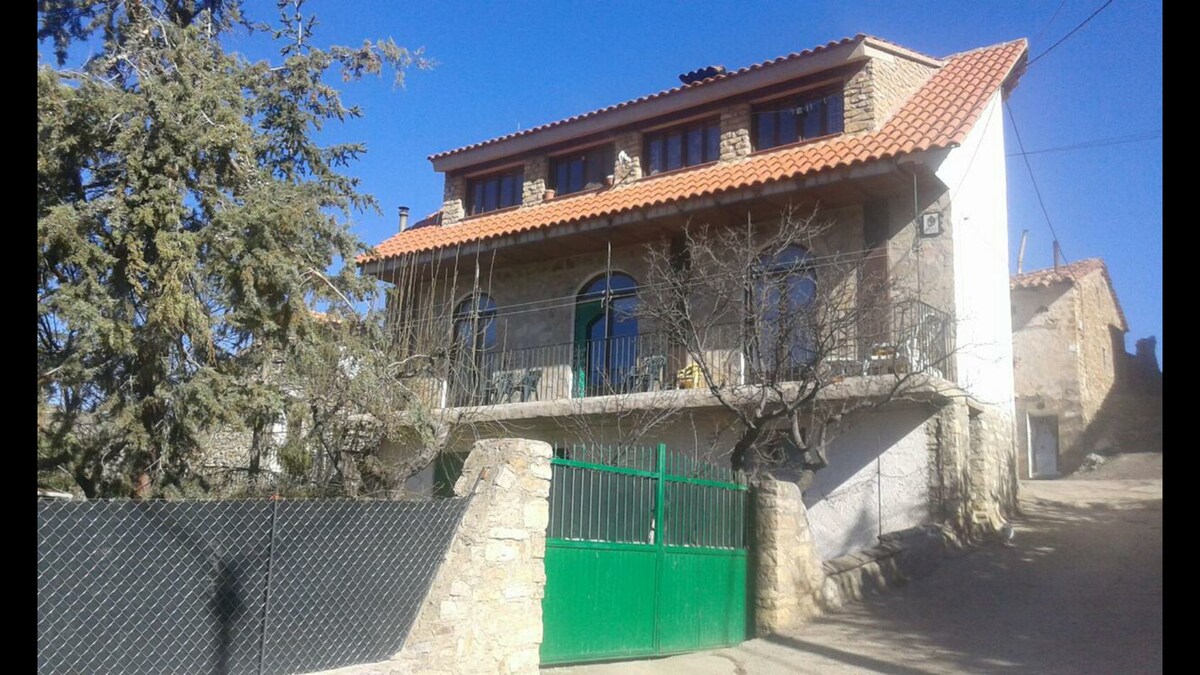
pixel 691 377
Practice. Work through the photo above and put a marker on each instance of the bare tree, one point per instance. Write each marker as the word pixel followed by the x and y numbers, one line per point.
pixel 773 315
pixel 371 400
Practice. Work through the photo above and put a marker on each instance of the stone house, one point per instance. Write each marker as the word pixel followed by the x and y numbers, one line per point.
pixel 1070 366
pixel 903 150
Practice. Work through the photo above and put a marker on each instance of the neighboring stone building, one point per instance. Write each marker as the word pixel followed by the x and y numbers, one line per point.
pixel 1070 365
pixel 905 151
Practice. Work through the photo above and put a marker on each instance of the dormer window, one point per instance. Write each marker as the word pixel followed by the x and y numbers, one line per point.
pixel 797 118
pixel 497 191
pixel 686 145
pixel 581 170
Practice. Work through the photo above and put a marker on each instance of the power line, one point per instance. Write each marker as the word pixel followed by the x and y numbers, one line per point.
pixel 1052 18
pixel 815 263
pixel 1101 142
pixel 1036 189
pixel 1073 31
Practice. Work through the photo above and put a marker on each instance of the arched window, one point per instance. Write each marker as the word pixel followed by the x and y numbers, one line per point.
pixel 605 334
pixel 780 314
pixel 472 352
pixel 475 323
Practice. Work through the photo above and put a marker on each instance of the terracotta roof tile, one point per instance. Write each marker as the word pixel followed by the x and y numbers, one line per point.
pixel 699 83
pixel 953 97
pixel 1069 273
pixel 665 92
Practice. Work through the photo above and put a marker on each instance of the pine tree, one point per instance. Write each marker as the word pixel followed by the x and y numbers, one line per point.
pixel 186 221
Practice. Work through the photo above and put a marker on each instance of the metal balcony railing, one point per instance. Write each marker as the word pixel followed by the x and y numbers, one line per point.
pixel 905 338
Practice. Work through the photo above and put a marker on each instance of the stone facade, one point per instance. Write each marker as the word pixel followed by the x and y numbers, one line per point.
pixel 992 470
pixel 735 132
pixel 631 144
pixel 879 88
pixel 454 199
pixel 974 489
pixel 1068 356
pixel 537 171
pixel 483 611
pixel 921 266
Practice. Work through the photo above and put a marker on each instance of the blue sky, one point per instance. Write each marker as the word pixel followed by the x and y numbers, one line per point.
pixel 513 65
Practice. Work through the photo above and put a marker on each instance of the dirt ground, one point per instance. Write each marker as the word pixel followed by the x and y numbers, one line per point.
pixel 1079 591
pixel 1140 465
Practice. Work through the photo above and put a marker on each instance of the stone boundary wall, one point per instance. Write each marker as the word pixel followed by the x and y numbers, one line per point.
pixel 788 579
pixel 483 612
pixel 791 584
pixel 899 557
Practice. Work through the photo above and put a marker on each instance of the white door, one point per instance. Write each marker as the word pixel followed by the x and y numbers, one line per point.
pixel 1043 442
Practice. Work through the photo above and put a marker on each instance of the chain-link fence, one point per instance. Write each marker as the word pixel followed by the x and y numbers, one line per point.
pixel 233 586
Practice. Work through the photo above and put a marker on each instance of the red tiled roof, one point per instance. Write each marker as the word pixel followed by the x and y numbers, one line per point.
pixel 650 97
pixel 939 115
pixel 1069 273
pixel 434 218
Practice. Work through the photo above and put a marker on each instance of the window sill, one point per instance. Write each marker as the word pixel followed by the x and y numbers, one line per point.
pixel 491 213
pixel 679 170
pixel 806 141
pixel 558 197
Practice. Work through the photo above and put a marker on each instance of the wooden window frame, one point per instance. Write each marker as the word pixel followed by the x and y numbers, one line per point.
pixel 683 130
pixel 606 160
pixel 777 107
pixel 518 174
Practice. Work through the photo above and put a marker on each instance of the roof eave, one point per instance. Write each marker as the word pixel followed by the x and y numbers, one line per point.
pixel 664 104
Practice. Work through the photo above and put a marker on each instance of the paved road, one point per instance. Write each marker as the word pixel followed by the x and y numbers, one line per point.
pixel 1079 592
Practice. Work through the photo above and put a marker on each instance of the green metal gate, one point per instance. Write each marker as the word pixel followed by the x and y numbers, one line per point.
pixel 645 555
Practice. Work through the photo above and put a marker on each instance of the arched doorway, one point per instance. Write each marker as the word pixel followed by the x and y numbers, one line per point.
pixel 780 310
pixel 606 328
pixel 473 349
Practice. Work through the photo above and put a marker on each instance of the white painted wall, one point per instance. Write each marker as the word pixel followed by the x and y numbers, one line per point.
pixel 975 175
pixel 877 481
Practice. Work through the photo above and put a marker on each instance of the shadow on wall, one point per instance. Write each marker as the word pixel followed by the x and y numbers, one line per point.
pixel 1130 417
pixel 877 481
pixel 1129 420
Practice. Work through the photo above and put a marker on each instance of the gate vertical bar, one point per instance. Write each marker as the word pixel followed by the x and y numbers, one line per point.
pixel 660 540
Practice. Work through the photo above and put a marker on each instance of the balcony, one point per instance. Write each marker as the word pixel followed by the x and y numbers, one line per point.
pixel 907 338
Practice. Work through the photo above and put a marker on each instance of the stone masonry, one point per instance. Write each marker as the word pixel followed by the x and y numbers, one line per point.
pixel 950 447
pixel 735 132
pixel 788 577
pixel 1068 359
pixel 878 89
pixel 483 612
pixel 537 170
pixel 631 144
pixel 974 489
pixel 454 198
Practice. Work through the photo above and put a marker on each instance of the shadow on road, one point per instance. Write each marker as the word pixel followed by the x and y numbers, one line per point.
pixel 1080 591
